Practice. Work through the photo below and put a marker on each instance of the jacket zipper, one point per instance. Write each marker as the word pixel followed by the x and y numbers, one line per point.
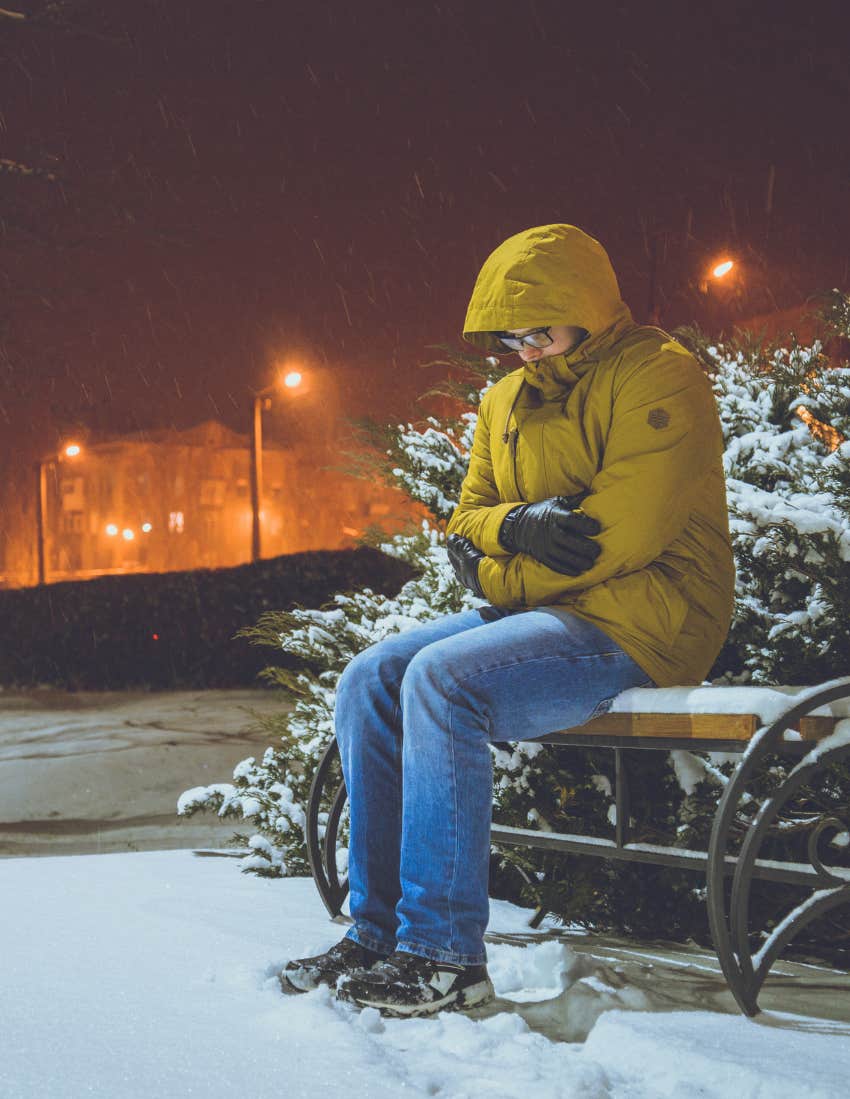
pixel 511 438
pixel 514 445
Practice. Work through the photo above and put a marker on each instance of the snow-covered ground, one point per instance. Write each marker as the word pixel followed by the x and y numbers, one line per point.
pixel 152 974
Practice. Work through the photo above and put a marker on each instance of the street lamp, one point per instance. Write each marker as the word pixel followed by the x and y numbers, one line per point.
pixel 72 450
pixel 262 403
pixel 718 273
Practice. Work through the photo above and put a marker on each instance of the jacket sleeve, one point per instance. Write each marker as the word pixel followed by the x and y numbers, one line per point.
pixel 480 512
pixel 664 438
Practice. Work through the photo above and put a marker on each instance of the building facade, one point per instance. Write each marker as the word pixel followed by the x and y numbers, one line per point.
pixel 161 500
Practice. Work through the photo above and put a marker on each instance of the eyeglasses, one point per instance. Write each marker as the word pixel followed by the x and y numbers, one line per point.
pixel 537 338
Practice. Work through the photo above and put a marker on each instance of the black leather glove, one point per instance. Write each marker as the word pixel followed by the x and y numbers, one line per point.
pixel 465 558
pixel 554 533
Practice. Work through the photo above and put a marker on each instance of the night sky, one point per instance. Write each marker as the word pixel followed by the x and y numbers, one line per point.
pixel 252 184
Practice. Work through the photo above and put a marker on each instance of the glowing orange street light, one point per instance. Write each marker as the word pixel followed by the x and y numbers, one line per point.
pixel 718 273
pixel 111 529
pixel 292 380
pixel 72 450
pixel 127 535
pixel 146 528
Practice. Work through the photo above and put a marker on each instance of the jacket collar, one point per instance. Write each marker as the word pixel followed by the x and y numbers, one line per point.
pixel 555 376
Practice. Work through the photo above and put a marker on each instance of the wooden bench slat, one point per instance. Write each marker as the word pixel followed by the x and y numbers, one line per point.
pixel 816 728
pixel 739 727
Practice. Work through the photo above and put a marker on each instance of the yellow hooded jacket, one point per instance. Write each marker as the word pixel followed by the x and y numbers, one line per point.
pixel 628 416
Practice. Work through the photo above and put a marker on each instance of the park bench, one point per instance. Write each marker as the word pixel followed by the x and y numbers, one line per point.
pixel 809 724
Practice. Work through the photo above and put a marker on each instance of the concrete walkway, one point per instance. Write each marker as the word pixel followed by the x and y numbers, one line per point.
pixel 96 771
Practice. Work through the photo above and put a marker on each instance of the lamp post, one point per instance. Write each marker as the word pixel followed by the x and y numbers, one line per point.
pixel 72 450
pixel 40 513
pixel 262 403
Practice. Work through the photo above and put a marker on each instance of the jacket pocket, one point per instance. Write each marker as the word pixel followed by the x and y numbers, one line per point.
pixel 645 605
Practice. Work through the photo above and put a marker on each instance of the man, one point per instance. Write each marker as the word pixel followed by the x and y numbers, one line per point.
pixel 593 520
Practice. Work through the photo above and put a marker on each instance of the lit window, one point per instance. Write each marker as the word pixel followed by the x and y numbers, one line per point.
pixel 175 522
pixel 72 522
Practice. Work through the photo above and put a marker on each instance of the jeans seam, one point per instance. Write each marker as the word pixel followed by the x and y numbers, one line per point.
pixel 515 663
pixel 398 807
pixel 455 857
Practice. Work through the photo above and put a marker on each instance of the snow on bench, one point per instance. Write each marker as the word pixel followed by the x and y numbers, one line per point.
pixel 711 713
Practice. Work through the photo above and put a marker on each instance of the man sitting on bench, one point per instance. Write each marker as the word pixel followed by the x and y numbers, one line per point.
pixel 593 520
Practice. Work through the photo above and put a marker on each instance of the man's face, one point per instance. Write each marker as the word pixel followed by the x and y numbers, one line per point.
pixel 565 337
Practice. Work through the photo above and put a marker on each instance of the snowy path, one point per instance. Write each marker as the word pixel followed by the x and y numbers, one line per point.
pixel 97 771
pixel 132 975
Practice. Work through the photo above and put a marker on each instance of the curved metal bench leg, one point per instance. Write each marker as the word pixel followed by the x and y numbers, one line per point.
pixel 538 917
pixel 744 971
pixel 322 855
pixel 340 888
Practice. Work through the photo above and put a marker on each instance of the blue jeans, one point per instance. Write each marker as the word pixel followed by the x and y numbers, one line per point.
pixel 415 714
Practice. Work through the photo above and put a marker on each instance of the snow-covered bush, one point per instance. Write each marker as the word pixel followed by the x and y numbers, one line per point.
pixel 786 418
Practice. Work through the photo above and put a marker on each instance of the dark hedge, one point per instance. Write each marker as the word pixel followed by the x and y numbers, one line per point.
pixel 171 629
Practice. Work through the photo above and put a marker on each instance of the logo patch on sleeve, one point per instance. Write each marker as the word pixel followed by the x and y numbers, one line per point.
pixel 658 418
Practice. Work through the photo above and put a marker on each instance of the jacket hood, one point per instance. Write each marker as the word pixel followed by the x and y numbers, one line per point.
pixel 553 274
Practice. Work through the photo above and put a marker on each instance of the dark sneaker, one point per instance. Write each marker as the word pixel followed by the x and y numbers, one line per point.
pixel 305 974
pixel 407 985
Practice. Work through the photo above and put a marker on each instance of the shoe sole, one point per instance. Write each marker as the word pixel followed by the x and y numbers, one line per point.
pixel 472 996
